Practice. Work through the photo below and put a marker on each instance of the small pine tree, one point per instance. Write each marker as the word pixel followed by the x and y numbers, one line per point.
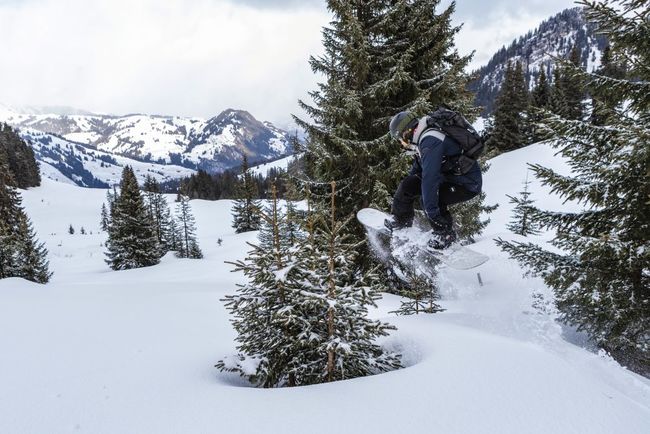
pixel 105 220
pixel 420 295
pixel 132 242
pixel 246 209
pixel 32 255
pixel 188 247
pixel 302 318
pixel 521 223
pixel 71 230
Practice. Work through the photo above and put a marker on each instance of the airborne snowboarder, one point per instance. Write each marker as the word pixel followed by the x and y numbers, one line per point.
pixel 444 170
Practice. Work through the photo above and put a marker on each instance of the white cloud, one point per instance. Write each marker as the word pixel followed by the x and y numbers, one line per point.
pixel 196 58
pixel 173 57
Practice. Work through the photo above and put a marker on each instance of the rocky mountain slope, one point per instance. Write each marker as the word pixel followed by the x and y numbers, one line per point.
pixel 539 49
pixel 212 144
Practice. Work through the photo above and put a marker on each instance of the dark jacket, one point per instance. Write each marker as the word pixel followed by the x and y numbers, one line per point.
pixel 434 153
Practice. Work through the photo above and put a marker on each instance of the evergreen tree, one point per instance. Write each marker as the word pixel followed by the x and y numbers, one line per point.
pixel 377 63
pixel 573 86
pixel 521 223
pixel 604 102
pixel 21 255
pixel 558 101
pixel 302 318
pixel 105 221
pixel 71 230
pixel 159 212
pixel 19 158
pixel 540 100
pixel 600 273
pixel 32 255
pixel 420 295
pixel 246 210
pixel 188 246
pixel 510 124
pixel 132 242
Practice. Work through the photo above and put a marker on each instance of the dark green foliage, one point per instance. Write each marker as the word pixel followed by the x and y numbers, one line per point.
pixel 521 223
pixel 377 63
pixel 600 273
pixel 188 247
pixel 510 121
pixel 21 255
pixel 159 212
pixel 132 241
pixel 540 99
pixel 246 209
pixel 104 221
pixel 302 317
pixel 19 158
pixel 568 90
pixel 604 103
pixel 420 295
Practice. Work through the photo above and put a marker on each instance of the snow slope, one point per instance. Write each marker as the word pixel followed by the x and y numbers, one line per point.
pixel 98 351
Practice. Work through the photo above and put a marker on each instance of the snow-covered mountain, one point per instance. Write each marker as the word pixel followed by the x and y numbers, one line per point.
pixel 69 162
pixel 539 49
pixel 213 144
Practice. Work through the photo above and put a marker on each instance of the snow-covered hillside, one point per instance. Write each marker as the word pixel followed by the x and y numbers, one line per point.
pixel 70 162
pixel 99 351
pixel 213 144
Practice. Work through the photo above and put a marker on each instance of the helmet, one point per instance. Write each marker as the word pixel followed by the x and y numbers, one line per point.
pixel 401 123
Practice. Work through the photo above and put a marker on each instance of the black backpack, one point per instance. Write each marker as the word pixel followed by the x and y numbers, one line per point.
pixel 454 125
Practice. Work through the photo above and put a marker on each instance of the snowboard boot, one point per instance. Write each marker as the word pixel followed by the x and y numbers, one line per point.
pixel 440 240
pixel 394 223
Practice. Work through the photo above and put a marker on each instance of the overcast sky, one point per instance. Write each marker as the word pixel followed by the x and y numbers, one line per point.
pixel 197 57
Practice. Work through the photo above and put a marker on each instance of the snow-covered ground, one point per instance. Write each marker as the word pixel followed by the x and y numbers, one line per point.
pixel 98 351
pixel 264 168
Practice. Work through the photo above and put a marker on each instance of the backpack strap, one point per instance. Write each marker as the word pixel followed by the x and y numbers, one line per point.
pixel 433 133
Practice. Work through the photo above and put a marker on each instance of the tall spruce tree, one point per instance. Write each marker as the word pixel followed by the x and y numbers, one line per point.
pixel 159 212
pixel 377 63
pixel 510 123
pixel 573 85
pixel 540 99
pixel 246 209
pixel 600 275
pixel 188 246
pixel 132 242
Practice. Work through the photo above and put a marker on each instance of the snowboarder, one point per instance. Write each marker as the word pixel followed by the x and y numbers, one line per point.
pixel 434 176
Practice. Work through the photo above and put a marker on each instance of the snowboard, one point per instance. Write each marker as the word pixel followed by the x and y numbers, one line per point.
pixel 408 246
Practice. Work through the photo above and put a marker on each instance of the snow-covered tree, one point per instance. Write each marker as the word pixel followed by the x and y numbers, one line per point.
pixel 188 247
pixel 159 212
pixel 420 295
pixel 132 242
pixel 105 219
pixel 302 317
pixel 600 273
pixel 521 223
pixel 377 63
pixel 246 208
pixel 21 255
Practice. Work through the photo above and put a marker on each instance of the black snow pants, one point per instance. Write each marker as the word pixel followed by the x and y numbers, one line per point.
pixel 411 187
